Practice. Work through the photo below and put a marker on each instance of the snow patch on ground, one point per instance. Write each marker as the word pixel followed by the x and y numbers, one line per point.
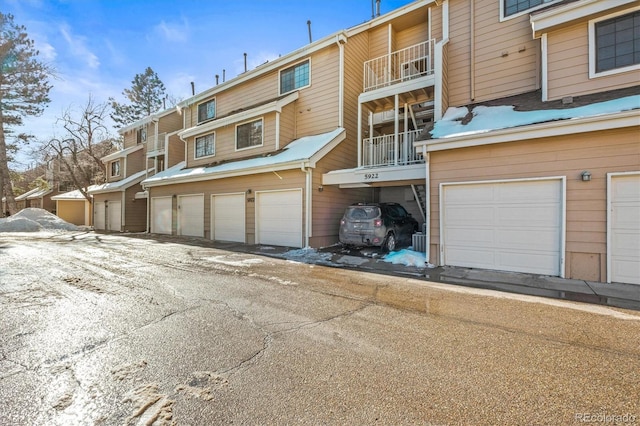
pixel 225 260
pixel 407 257
pixel 34 220
pixel 307 255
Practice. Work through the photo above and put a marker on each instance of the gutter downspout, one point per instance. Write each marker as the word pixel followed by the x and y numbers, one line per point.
pixel 427 204
pixel 340 42
pixel 307 203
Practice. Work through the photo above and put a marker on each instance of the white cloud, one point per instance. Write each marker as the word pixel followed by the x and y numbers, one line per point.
pixel 78 47
pixel 173 32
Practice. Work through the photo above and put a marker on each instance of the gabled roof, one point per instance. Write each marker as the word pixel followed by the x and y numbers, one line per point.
pixel 120 185
pixel 122 153
pixel 27 194
pixel 304 151
pixel 73 195
pixel 40 193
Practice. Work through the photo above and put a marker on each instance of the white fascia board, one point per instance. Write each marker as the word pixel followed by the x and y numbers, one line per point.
pixel 349 177
pixel 295 56
pixel 383 19
pixel 397 88
pixel 26 194
pixel 121 154
pixel 146 120
pixel 543 130
pixel 121 185
pixel 573 11
pixel 275 106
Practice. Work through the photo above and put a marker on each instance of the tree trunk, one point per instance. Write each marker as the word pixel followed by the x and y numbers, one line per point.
pixel 4 171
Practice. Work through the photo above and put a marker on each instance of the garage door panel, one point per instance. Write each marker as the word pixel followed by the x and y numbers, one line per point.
pixel 99 219
pixel 191 215
pixel 229 217
pixel 625 229
pixel 514 226
pixel 161 215
pixel 279 218
pixel 114 216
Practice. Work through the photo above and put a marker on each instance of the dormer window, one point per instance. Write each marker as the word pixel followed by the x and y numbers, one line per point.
pixel 206 111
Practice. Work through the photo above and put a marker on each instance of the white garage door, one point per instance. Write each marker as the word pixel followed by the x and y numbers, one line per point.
pixel 114 216
pixel 279 218
pixel 99 215
pixel 508 226
pixel 228 217
pixel 191 215
pixel 624 229
pixel 161 215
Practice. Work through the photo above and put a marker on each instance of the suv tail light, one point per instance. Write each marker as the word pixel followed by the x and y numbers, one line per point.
pixel 377 223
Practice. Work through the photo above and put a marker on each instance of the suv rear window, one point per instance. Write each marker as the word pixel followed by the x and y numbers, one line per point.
pixel 362 213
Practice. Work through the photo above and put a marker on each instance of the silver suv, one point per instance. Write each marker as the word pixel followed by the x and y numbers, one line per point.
pixel 383 225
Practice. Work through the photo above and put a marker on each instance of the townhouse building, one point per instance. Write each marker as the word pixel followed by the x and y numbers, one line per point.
pixel 535 166
pixel 150 146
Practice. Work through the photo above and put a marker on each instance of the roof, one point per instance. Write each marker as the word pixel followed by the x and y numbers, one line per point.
pixel 307 149
pixel 120 185
pixel 27 194
pixel 122 153
pixel 40 193
pixel 73 195
pixel 527 109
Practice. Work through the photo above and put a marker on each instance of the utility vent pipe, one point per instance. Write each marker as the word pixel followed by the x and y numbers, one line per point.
pixel 193 88
pixel 309 26
pixel 245 62
pixel 377 7
pixel 217 76
pixel 224 73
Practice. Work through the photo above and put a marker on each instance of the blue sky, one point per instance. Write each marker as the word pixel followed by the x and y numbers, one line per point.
pixel 98 46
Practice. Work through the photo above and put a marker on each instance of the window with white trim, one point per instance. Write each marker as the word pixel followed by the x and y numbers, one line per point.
pixel 205 146
pixel 617 42
pixel 295 77
pixel 515 7
pixel 207 111
pixel 249 135
pixel 115 168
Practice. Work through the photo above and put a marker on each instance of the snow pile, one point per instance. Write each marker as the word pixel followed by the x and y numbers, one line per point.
pixel 33 220
pixel 307 255
pixel 408 258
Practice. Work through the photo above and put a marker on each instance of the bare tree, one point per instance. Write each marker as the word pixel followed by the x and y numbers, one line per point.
pixel 86 141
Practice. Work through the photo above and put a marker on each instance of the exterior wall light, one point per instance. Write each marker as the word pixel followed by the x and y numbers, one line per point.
pixel 249 191
pixel 320 189
pixel 586 176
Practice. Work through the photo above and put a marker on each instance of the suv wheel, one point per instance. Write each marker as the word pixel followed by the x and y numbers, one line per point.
pixel 390 243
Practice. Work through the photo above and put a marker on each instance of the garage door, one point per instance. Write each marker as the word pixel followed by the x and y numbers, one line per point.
pixel 99 209
pixel 114 216
pixel 508 226
pixel 191 215
pixel 279 218
pixel 624 229
pixel 161 215
pixel 228 217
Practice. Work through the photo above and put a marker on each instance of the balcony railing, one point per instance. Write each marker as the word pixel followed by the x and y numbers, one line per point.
pixel 384 151
pixel 406 64
pixel 155 145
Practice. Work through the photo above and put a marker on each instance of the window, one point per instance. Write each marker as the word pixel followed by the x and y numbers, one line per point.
pixel 617 42
pixel 207 111
pixel 249 135
pixel 294 77
pixel 141 136
pixel 115 168
pixel 512 7
pixel 206 145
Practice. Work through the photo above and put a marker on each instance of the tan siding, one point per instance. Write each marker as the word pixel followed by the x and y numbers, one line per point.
pixel 378 42
pixel 318 104
pixel 170 123
pixel 135 211
pixel 355 54
pixel 287 124
pixel 175 151
pixel 568 66
pixel 130 139
pixel 412 36
pixel 135 163
pixel 71 211
pixel 600 153
pixel 506 57
pixel 436 23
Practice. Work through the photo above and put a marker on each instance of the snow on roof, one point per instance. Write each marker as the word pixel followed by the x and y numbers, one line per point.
pixel 73 195
pixel 33 220
pixel 302 149
pixel 120 185
pixel 40 193
pixel 488 118
pixel 27 194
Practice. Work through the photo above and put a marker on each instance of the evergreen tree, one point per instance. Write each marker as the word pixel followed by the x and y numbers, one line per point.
pixel 146 96
pixel 24 91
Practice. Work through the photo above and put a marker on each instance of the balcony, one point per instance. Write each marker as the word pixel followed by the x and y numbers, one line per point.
pixel 385 151
pixel 155 145
pixel 400 66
